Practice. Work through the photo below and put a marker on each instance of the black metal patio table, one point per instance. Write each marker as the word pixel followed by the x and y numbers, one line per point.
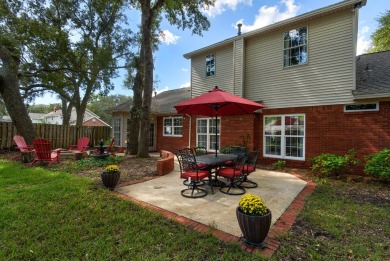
pixel 214 162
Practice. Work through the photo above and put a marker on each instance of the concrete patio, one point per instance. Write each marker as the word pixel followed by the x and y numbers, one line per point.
pixel 217 210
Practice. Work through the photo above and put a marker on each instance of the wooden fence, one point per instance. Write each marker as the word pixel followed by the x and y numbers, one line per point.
pixel 60 136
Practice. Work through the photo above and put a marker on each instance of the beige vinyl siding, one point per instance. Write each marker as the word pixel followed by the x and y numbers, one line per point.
pixel 328 78
pixel 223 77
pixel 238 66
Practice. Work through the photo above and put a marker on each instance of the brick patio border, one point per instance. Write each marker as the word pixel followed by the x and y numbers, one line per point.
pixel 280 228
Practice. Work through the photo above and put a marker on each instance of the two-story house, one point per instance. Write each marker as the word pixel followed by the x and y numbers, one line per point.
pixel 304 70
pixel 320 96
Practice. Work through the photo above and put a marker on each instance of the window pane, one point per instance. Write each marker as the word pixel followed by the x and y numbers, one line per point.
pixel 212 142
pixel 273 145
pixel 273 125
pixel 294 147
pixel 177 130
pixel 202 126
pixel 167 122
pixel 212 126
pixel 202 141
pixel 178 122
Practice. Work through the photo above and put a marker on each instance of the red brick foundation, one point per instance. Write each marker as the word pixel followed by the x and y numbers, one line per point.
pixel 166 164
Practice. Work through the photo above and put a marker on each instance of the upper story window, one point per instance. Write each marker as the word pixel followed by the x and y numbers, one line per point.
pixel 362 107
pixel 173 126
pixel 210 65
pixel 295 47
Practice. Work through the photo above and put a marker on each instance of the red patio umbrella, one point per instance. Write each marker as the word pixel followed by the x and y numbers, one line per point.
pixel 217 103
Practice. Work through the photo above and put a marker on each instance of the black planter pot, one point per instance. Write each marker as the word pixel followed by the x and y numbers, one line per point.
pixel 254 228
pixel 110 179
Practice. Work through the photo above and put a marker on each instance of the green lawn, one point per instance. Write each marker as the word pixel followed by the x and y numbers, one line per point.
pixel 58 216
pixel 341 221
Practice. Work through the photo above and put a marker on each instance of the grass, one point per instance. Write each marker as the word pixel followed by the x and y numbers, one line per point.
pixel 340 222
pixel 48 215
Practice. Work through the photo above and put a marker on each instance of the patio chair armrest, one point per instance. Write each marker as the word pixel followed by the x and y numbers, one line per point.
pixel 71 146
pixel 57 151
pixel 29 148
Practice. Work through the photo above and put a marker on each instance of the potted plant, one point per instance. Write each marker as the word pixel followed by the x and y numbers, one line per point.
pixel 110 176
pixel 254 219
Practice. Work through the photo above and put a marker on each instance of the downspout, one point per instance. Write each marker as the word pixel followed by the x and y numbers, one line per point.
pixel 189 131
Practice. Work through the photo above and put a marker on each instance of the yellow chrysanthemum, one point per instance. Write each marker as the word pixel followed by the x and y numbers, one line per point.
pixel 252 205
pixel 112 168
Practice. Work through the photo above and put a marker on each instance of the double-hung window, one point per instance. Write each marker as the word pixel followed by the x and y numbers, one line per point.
pixel 210 65
pixel 205 133
pixel 284 136
pixel 295 47
pixel 173 126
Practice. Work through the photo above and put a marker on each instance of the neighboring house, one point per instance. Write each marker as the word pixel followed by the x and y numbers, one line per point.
pixel 35 117
pixel 90 118
pixel 166 126
pixel 320 97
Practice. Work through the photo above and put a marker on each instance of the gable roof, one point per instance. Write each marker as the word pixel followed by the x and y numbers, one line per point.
pixel 372 75
pixel 328 10
pixel 162 103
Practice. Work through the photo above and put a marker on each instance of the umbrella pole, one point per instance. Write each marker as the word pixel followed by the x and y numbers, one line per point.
pixel 216 135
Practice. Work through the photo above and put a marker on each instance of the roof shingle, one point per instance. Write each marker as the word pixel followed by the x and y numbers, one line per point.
pixel 373 75
pixel 162 103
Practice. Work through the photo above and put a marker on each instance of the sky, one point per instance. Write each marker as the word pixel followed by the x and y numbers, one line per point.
pixel 173 70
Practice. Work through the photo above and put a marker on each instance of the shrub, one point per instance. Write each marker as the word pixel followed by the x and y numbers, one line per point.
pixel 252 205
pixel 379 164
pixel 232 149
pixel 332 164
pixel 279 164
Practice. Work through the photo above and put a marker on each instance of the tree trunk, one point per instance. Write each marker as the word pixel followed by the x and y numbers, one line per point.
pixel 66 112
pixel 134 128
pixel 13 101
pixel 147 17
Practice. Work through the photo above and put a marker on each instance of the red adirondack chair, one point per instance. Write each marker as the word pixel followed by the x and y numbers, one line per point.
pixel 81 146
pixel 109 148
pixel 22 146
pixel 43 152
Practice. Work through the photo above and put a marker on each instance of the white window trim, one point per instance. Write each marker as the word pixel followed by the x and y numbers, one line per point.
pixel 283 140
pixel 173 135
pixel 208 134
pixel 307 48
pixel 349 111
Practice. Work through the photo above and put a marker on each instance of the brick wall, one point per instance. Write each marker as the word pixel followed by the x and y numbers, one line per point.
pixel 171 143
pixel 233 131
pixel 166 164
pixel 328 129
